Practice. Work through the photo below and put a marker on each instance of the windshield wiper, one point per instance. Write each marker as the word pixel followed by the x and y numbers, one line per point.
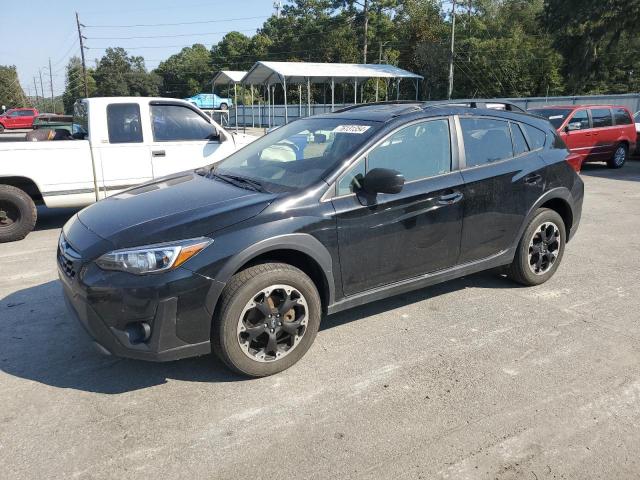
pixel 238 181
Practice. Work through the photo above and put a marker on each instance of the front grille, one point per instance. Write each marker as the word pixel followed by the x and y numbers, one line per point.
pixel 68 258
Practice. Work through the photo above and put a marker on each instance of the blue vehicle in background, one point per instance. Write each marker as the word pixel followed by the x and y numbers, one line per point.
pixel 210 101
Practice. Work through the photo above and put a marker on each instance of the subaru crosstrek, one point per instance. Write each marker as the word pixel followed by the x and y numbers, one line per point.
pixel 244 257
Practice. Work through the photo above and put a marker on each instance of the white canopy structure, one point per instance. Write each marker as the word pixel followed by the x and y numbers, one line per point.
pixel 229 77
pixel 299 73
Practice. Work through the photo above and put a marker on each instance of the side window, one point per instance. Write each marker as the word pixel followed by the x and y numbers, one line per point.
pixel 485 140
pixel 176 123
pixel 123 123
pixel 15 113
pixel 601 117
pixel 350 182
pixel 519 143
pixel 537 138
pixel 580 120
pixel 418 151
pixel 621 116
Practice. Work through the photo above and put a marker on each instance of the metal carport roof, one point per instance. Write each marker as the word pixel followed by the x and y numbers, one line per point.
pixel 225 77
pixel 303 72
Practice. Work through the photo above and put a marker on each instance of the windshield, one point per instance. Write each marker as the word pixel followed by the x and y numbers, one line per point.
pixel 555 115
pixel 298 154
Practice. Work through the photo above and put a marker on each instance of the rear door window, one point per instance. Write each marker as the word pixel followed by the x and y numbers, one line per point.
pixel 601 117
pixel 486 140
pixel 621 116
pixel 123 123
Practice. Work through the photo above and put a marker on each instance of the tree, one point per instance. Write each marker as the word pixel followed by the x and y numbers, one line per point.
pixel 74 84
pixel 11 93
pixel 186 73
pixel 118 74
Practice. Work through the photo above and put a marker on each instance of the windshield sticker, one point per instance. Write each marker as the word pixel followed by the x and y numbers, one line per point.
pixel 556 117
pixel 359 129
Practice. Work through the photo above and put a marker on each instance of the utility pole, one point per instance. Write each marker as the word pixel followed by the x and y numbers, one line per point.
pixel 84 66
pixel 42 89
pixel 53 102
pixel 277 5
pixel 365 10
pixel 453 42
pixel 35 85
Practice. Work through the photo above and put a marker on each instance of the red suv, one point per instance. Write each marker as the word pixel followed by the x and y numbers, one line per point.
pixel 594 133
pixel 18 118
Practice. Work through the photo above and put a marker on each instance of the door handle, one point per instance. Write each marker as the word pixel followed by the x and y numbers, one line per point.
pixel 533 179
pixel 158 153
pixel 450 198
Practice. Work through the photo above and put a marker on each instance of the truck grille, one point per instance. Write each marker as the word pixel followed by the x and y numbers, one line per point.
pixel 68 258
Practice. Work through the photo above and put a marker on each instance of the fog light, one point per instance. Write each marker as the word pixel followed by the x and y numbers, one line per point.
pixel 138 332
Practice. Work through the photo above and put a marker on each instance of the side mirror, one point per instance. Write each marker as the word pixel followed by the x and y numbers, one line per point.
pixel 572 126
pixel 215 136
pixel 383 180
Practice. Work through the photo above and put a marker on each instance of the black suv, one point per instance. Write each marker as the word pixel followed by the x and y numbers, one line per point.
pixel 244 257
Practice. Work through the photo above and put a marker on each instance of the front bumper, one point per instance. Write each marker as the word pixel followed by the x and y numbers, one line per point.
pixel 177 306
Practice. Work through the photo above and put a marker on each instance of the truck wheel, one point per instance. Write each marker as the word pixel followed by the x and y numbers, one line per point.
pixel 619 157
pixel 268 317
pixel 540 249
pixel 224 106
pixel 18 214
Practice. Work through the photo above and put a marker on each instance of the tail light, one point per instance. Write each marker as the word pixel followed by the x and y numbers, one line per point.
pixel 575 161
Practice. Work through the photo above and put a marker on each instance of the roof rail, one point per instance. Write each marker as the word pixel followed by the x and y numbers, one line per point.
pixel 489 103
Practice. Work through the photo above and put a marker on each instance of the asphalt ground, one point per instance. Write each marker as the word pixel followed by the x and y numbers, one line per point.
pixel 474 378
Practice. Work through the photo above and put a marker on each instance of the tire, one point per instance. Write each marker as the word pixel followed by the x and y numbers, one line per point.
pixel 521 269
pixel 18 214
pixel 241 339
pixel 1 128
pixel 619 156
pixel 224 106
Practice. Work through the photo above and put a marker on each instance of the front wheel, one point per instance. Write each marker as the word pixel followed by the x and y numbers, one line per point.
pixel 1 128
pixel 540 250
pixel 18 214
pixel 619 157
pixel 268 317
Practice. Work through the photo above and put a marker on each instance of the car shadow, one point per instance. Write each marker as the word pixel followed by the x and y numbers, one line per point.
pixel 52 218
pixel 40 342
pixel 629 172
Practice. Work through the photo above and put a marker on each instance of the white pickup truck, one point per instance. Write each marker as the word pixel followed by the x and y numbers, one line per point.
pixel 117 143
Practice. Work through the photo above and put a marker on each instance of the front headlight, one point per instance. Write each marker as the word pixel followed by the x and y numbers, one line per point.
pixel 153 258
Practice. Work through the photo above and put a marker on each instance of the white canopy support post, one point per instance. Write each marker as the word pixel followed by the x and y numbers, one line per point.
pixel 286 107
pixel 308 97
pixel 235 103
pixel 299 100
pixel 333 94
pixel 268 87
pixel 253 117
pixel 273 104
pixel 377 88
pixel 398 90
pixel 324 97
pixel 355 91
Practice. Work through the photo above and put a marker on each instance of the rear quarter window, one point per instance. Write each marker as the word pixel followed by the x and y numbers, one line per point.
pixel 537 137
pixel 621 117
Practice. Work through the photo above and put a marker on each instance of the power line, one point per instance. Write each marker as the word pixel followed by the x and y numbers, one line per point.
pixel 199 22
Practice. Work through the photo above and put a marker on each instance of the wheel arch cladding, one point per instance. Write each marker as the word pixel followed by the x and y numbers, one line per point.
pixel 562 207
pixel 299 250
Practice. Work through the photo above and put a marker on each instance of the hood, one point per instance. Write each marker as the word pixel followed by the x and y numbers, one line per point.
pixel 177 207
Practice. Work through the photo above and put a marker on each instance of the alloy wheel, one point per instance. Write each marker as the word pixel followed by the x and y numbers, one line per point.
pixel 544 248
pixel 620 156
pixel 272 323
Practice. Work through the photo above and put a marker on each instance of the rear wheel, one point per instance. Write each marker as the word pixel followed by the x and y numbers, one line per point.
pixel 540 250
pixel 224 106
pixel 18 214
pixel 1 128
pixel 268 318
pixel 619 157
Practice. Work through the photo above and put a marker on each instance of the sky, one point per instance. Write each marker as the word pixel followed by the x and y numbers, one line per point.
pixel 52 31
